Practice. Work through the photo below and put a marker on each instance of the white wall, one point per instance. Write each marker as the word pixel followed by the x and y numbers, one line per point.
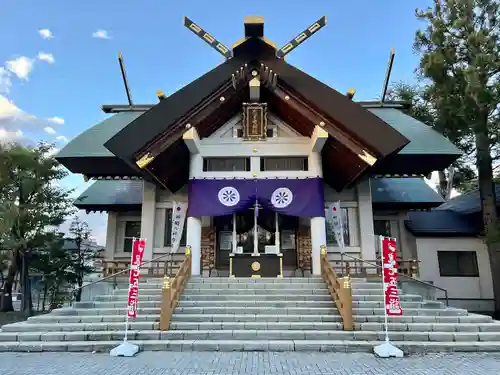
pixel 459 288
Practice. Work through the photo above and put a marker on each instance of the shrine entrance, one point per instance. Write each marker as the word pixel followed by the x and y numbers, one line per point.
pixel 256 235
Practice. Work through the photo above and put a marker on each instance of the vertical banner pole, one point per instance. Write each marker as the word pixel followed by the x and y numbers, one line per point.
pixel 389 269
pixel 126 349
pixel 235 244
pixel 386 320
pixel 255 231
pixel 277 242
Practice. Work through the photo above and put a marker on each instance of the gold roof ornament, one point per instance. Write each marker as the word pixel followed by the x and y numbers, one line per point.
pixel 145 160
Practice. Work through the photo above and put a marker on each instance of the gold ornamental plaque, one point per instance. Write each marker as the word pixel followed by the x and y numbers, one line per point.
pixel 254 121
pixel 255 266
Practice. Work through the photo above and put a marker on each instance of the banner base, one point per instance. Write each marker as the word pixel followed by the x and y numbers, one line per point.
pixel 387 350
pixel 125 349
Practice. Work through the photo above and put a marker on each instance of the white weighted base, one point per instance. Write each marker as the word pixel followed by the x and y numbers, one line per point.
pixel 387 350
pixel 125 349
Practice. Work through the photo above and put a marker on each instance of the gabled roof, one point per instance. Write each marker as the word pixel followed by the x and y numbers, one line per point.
pixel 112 195
pixel 86 153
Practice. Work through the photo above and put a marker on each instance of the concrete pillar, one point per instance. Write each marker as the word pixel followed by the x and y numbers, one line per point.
pixel 148 218
pixel 193 239
pixel 365 213
pixel 111 235
pixel 318 239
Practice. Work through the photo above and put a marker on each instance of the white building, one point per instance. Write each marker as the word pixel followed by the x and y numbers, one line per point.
pixel 256 122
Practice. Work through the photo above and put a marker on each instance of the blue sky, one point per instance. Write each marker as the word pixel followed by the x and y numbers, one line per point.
pixel 52 88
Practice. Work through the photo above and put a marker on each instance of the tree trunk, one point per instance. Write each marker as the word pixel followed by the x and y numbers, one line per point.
pixel 443 184
pixel 26 305
pixel 6 304
pixel 489 211
pixel 45 291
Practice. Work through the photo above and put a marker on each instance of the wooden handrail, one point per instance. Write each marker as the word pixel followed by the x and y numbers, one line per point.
pixel 340 290
pixel 373 268
pixel 172 290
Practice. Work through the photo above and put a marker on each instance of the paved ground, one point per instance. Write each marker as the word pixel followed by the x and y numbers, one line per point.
pixel 169 363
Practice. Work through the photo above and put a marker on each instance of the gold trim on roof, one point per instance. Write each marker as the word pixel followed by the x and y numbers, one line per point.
pixel 145 160
pixel 367 158
pixel 253 20
pixel 239 42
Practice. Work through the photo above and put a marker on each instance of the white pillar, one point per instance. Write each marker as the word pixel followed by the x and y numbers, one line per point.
pixel 111 235
pixel 318 239
pixel 193 239
pixel 365 211
pixel 148 218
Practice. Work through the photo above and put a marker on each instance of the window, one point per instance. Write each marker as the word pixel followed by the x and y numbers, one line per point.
pixel 168 230
pixel 284 164
pixel 458 264
pixel 132 229
pixel 330 235
pixel 226 165
pixel 382 228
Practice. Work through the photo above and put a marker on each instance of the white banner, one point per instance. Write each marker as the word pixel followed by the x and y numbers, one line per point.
pixel 334 219
pixel 179 210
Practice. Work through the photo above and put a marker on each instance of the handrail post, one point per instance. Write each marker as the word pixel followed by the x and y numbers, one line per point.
pixel 166 304
pixel 345 292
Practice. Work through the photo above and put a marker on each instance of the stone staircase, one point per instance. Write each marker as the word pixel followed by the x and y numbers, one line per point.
pixel 290 314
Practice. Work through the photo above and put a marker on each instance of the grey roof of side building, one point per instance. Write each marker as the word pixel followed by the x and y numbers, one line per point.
pixel 423 139
pixel 438 223
pixel 114 193
pixel 468 203
pixel 404 190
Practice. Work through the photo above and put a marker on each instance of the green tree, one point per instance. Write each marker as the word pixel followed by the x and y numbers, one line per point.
pixel 421 107
pixel 82 254
pixel 51 260
pixel 29 188
pixel 460 56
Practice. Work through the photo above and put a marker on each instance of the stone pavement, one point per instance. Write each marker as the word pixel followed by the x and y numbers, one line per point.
pixel 247 363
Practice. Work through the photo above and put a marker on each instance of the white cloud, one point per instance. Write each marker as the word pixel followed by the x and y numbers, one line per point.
pixel 5 81
pixel 45 33
pixel 49 130
pixel 21 66
pixel 56 120
pixel 9 136
pixel 101 34
pixel 61 138
pixel 47 57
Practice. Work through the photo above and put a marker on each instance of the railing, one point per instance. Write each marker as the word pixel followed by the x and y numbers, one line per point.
pixel 156 267
pixel 356 267
pixel 340 290
pixel 172 290
pixel 121 269
pixel 429 289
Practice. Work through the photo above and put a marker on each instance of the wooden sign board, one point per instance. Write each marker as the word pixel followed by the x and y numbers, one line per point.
pixel 254 121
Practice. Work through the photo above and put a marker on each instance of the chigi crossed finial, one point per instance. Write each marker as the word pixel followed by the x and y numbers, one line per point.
pixel 254 28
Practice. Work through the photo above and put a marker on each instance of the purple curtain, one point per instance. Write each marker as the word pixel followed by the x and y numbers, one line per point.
pixel 294 197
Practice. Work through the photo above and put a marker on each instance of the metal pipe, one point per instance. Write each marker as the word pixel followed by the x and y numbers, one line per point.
pixel 402 274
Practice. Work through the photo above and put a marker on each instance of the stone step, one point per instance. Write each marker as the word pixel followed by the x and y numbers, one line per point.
pixel 250 335
pixel 320 291
pixel 250 345
pixel 251 297
pixel 52 319
pixel 261 280
pixel 312 304
pixel 252 286
pixel 255 311
pixel 247 325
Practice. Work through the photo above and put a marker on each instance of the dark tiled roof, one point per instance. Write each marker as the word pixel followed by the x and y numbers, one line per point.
pixel 468 203
pixel 403 190
pixel 111 193
pixel 423 139
pixel 442 224
pixel 91 141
